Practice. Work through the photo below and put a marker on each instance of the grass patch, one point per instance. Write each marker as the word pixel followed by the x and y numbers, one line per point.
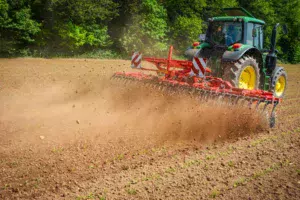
pixel 152 177
pixel 170 170
pixel 57 149
pixel 210 157
pixel 231 164
pixel 215 193
pixel 131 191
pixel 191 163
pixel 239 182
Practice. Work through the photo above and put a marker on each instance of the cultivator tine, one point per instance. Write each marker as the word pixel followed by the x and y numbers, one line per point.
pixel 266 105
pixel 257 104
pixel 236 100
pixel 273 114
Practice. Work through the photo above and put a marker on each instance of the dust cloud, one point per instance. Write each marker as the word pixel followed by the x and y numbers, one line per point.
pixel 118 114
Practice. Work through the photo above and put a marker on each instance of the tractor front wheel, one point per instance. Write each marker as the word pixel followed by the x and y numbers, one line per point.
pixel 279 82
pixel 244 73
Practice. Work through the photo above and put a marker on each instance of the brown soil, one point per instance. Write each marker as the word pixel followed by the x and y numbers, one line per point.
pixel 67 131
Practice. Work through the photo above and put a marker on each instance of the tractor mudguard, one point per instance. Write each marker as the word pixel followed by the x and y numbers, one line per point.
pixel 233 55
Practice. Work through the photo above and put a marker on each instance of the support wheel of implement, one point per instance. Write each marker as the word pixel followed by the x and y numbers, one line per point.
pixel 243 73
pixel 279 82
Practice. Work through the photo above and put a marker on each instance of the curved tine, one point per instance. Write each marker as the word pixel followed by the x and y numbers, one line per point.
pixel 250 104
pixel 205 96
pixel 243 102
pixel 214 97
pixel 257 104
pixel 236 100
pixel 163 88
pixel 209 96
pixel 171 89
pixel 156 86
pixel 273 114
pixel 230 102
pixel 221 98
pixel 266 105
pixel 200 94
pixel 193 91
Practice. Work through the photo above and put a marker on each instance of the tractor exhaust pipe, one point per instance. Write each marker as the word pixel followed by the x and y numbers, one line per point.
pixel 271 57
pixel 273 39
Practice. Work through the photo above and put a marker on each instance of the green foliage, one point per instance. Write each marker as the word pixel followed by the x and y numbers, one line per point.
pixel 177 8
pixel 74 36
pixel 17 27
pixel 185 30
pixel 214 7
pixel 296 53
pixel 3 12
pixel 110 27
pixel 147 31
pixel 84 12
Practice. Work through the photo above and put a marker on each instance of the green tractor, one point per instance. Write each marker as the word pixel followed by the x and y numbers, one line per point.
pixel 233 49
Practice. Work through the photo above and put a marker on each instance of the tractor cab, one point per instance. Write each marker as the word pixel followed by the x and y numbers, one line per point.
pixel 239 26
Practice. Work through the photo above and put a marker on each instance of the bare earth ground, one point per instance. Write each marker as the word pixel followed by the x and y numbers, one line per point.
pixel 69 132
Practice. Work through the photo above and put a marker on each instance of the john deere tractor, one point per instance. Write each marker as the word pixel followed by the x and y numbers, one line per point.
pixel 233 47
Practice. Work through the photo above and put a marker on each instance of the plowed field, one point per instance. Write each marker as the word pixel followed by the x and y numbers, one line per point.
pixel 67 131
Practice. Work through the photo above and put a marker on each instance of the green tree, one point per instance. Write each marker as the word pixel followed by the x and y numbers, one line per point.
pixel 185 22
pixel 17 26
pixel 147 30
pixel 214 7
pixel 74 24
pixel 289 13
pixel 185 30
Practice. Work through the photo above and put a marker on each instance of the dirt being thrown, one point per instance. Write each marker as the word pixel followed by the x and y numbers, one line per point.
pixel 176 117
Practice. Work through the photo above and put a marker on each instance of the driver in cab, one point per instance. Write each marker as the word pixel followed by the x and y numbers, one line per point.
pixel 231 35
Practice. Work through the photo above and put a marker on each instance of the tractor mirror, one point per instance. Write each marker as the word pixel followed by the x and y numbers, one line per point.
pixel 254 32
pixel 202 37
pixel 284 29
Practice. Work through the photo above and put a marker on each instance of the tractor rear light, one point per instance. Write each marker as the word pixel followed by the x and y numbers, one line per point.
pixel 196 44
pixel 237 45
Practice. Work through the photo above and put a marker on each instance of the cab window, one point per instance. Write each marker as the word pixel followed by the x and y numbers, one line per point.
pixel 258 36
pixel 249 39
pixel 254 35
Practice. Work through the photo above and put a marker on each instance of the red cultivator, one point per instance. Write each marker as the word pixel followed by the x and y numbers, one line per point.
pixel 194 77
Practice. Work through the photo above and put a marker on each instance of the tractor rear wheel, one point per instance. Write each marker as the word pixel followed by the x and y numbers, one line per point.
pixel 243 73
pixel 279 82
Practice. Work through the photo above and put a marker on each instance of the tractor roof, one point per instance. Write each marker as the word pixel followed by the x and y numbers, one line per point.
pixel 238 13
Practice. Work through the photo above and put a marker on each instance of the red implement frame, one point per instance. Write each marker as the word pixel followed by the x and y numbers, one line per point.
pixel 165 65
pixel 176 72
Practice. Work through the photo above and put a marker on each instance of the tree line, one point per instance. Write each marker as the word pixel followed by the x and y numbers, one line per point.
pixel 117 27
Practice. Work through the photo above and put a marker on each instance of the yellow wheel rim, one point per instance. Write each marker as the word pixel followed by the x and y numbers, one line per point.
pixel 280 86
pixel 247 78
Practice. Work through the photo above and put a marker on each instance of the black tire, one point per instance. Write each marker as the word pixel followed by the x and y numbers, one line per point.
pixel 277 73
pixel 232 71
